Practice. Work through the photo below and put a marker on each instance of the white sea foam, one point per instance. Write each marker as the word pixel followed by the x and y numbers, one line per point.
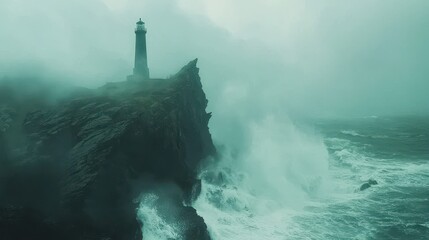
pixel 352 133
pixel 155 226
pixel 273 180
pixel 285 185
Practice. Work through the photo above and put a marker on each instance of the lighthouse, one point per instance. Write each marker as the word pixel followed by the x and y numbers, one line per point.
pixel 141 69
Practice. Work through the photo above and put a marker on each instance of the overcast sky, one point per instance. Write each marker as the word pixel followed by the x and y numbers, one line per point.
pixel 317 58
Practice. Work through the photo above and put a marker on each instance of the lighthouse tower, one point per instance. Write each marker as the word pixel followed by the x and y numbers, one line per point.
pixel 141 69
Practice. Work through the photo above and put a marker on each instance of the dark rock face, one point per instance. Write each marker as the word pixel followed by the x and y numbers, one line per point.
pixel 368 184
pixel 87 160
pixel 6 117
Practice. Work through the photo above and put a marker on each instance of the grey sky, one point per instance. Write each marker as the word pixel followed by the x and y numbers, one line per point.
pixel 319 58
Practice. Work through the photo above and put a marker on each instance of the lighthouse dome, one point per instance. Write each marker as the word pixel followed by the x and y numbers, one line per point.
pixel 140 22
pixel 140 26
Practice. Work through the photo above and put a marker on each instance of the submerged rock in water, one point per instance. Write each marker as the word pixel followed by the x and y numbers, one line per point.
pixel 87 159
pixel 368 184
pixel 372 182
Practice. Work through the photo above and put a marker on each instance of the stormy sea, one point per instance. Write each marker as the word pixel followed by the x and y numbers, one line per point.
pixel 296 182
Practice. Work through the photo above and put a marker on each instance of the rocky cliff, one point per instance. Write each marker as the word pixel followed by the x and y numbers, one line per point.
pixel 85 161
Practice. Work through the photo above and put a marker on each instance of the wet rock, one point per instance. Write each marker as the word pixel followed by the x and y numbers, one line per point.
pixel 372 182
pixel 6 119
pixel 101 148
pixel 368 184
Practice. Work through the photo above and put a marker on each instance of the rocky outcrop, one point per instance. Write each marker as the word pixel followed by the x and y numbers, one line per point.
pixel 368 184
pixel 89 158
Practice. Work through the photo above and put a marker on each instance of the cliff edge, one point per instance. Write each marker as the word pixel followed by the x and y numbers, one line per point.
pixel 85 161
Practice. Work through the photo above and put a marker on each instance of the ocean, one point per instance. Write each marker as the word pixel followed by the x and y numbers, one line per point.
pixel 304 183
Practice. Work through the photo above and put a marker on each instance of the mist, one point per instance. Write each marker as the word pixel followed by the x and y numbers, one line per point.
pixel 264 59
pixel 305 57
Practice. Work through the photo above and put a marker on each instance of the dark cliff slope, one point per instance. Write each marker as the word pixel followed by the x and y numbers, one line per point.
pixel 86 160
